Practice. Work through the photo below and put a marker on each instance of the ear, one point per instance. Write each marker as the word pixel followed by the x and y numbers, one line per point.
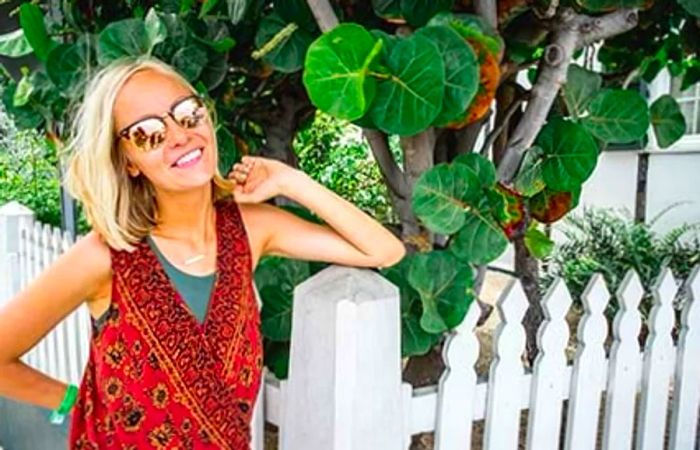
pixel 133 170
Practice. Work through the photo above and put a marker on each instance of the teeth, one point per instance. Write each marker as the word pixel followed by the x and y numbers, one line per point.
pixel 189 157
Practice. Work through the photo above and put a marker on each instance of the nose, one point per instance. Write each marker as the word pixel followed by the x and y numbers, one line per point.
pixel 176 133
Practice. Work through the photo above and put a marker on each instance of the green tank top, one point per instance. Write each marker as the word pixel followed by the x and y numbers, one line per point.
pixel 194 289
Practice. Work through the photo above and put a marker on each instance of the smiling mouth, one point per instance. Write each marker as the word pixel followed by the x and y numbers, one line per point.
pixel 189 159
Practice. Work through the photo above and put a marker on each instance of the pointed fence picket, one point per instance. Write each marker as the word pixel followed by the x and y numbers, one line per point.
pixel 513 405
pixel 684 420
pixel 547 396
pixel 625 366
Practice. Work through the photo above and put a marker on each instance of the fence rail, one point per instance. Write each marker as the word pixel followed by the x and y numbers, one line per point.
pixel 345 392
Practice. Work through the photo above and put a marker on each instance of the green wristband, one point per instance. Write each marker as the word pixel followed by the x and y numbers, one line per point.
pixel 59 415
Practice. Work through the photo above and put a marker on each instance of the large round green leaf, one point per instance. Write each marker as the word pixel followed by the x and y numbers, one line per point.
pixel 609 5
pixel 414 339
pixel 126 37
pixel 418 12
pixel 14 44
pixel 570 154
pixel 410 97
pixel 336 68
pixel 618 116
pixel 580 87
pixel 288 56
pixel 444 285
pixel 276 279
pixel 668 120
pixel 461 72
pixel 442 194
pixel 480 240
pixel 481 167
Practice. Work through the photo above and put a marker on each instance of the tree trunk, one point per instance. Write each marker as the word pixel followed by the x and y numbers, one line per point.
pixel 528 273
pixel 418 158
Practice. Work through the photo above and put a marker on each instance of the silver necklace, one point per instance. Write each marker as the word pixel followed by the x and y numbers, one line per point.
pixel 194 259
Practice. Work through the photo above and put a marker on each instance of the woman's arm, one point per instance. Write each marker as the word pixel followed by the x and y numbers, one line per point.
pixel 353 237
pixel 73 278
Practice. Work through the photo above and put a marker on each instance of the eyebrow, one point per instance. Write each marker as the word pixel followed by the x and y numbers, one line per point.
pixel 156 116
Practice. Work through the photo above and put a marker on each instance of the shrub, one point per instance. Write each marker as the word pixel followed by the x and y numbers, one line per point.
pixel 610 242
pixel 28 171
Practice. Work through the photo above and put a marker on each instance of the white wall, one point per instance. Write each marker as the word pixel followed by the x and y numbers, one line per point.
pixel 613 183
pixel 673 178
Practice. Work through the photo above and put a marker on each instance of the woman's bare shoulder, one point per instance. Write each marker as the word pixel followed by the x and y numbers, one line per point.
pixel 93 248
pixel 256 223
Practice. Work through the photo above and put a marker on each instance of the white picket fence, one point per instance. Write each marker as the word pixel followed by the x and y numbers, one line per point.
pixel 344 389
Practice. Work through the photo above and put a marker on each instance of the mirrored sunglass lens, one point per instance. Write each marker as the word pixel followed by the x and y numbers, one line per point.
pixel 190 112
pixel 147 134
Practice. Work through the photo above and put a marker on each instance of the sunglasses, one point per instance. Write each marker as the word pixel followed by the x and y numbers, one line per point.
pixel 149 133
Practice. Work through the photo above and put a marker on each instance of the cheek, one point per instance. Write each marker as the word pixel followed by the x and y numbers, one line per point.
pixel 150 164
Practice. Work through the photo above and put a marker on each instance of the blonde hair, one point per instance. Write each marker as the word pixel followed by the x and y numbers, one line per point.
pixel 120 208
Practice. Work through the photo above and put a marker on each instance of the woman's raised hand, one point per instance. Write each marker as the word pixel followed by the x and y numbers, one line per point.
pixel 258 178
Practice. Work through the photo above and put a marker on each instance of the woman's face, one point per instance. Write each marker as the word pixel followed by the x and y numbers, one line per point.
pixel 184 159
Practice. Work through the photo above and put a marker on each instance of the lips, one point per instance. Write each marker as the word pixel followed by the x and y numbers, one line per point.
pixel 190 158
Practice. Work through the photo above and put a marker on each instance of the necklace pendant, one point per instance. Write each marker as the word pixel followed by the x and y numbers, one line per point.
pixel 193 259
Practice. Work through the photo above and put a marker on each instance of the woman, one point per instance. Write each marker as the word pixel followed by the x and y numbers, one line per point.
pixel 167 270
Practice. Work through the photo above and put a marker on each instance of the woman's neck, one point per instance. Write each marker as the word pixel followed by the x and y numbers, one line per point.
pixel 186 217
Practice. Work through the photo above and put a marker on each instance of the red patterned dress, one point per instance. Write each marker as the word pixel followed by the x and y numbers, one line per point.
pixel 156 377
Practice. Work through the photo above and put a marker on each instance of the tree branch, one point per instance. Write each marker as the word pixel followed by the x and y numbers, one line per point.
pixel 392 173
pixel 324 14
pixel 493 135
pixel 487 10
pixel 572 32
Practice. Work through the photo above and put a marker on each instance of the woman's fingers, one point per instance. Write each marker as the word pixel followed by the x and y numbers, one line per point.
pixel 239 172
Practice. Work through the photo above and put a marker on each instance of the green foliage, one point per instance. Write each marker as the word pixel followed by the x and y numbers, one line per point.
pixel 668 121
pixel 337 63
pixel 442 283
pixel 335 155
pixel 609 242
pixel 569 155
pixel 28 172
pixel 425 78
pixel 480 240
pixel 288 56
pixel 617 116
pixel 408 100
pixel 15 44
pixel 580 87
pixel 32 21
pixel 461 72
pixel 442 196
